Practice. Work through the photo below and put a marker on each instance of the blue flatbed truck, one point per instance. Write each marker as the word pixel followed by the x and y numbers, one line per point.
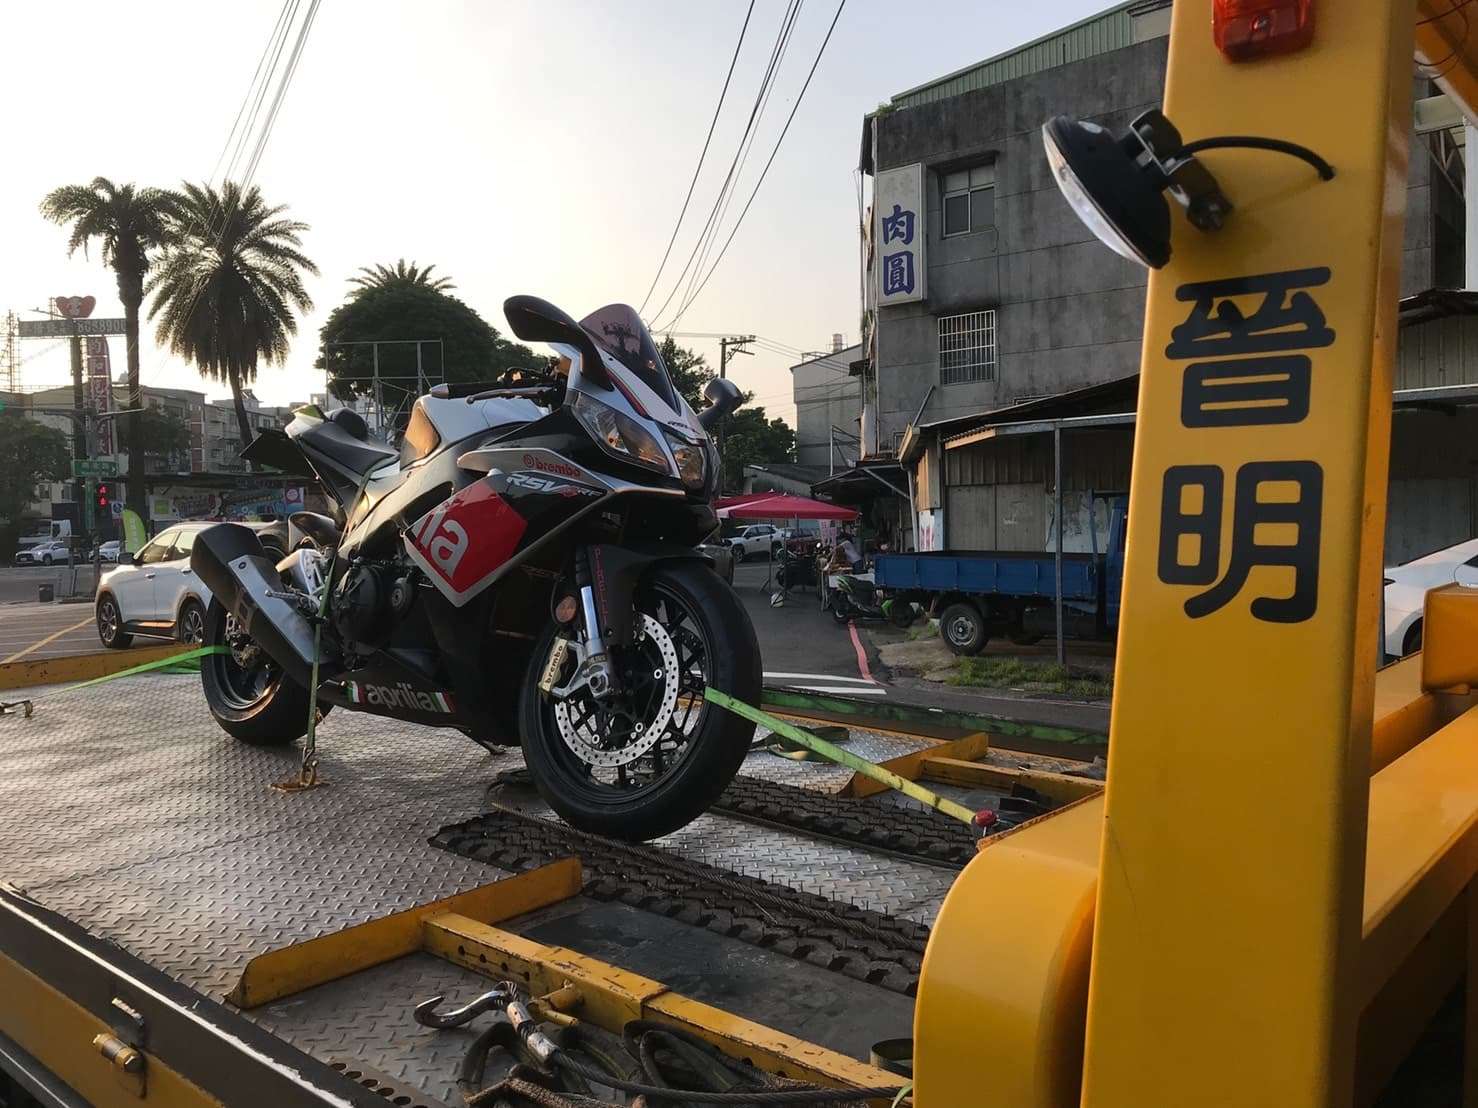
pixel 979 593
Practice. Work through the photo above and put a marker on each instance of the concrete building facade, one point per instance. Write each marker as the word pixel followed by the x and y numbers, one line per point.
pixel 828 408
pixel 1021 304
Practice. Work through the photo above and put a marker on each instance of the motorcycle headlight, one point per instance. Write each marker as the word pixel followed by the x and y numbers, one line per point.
pixel 691 458
pixel 620 434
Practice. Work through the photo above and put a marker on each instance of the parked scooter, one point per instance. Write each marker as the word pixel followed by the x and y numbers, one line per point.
pixel 855 598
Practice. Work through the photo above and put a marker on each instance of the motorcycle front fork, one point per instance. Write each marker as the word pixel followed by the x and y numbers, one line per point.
pixel 599 675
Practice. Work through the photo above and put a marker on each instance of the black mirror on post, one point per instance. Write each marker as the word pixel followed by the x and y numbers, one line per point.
pixel 537 320
pixel 723 398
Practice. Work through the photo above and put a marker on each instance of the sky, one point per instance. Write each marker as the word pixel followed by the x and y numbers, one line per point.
pixel 519 147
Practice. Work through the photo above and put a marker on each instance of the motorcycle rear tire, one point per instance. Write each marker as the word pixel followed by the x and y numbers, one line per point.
pixel 717 746
pixel 279 717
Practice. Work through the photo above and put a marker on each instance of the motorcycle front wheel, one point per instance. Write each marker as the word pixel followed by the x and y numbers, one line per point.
pixel 655 756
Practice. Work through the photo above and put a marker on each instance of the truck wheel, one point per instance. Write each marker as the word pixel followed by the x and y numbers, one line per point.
pixel 963 628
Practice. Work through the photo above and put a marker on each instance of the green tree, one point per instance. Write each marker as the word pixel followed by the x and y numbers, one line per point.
pixel 689 371
pixel 752 438
pixel 128 222
pixel 470 348
pixel 228 286
pixel 164 437
pixel 30 453
pixel 400 275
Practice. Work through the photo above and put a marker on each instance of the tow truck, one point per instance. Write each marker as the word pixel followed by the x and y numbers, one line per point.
pixel 1272 901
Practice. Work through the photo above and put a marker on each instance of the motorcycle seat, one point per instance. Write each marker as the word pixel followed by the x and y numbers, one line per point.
pixel 356 454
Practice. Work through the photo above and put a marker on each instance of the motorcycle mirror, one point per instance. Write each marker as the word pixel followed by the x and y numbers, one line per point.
pixel 537 320
pixel 723 398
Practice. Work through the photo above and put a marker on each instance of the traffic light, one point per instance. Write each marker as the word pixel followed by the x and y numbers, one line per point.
pixel 102 498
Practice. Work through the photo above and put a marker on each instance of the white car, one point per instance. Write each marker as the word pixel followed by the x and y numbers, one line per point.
pixel 757 538
pixel 108 551
pixel 155 593
pixel 1406 588
pixel 42 554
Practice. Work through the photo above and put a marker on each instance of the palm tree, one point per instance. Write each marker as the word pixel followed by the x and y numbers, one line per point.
pixel 398 276
pixel 129 222
pixel 227 287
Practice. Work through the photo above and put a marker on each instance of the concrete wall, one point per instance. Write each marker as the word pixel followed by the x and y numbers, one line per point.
pixel 1069 311
pixel 826 396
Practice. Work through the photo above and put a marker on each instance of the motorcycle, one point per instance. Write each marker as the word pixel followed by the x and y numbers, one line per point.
pixel 521 568
pixel 854 598
pixel 796 570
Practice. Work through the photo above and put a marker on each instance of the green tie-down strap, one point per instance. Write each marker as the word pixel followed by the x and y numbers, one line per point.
pixel 841 757
pixel 177 662
pixel 188 662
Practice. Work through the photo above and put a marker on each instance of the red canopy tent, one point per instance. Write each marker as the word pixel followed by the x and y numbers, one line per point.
pixel 779 505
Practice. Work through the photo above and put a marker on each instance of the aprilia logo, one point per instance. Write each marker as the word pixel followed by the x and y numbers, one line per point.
pixel 462 542
pixel 443 540
pixel 403 695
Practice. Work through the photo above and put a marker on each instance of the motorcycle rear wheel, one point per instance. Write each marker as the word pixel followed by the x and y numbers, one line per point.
pixel 255 702
pixel 702 745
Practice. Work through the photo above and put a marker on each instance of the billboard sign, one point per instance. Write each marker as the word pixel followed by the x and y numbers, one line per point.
pixel 66 328
pixel 899 235
pixel 100 390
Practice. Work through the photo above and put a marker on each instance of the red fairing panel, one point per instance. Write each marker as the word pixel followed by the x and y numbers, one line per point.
pixel 462 542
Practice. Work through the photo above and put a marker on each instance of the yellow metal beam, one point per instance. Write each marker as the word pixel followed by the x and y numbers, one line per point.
pixel 1226 946
pixel 1423 848
pixel 611 997
pixel 82 667
pixel 1061 787
pixel 60 1034
pixel 911 765
pixel 292 969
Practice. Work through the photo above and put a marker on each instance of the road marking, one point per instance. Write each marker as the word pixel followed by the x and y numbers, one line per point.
pixel 861 654
pixel 42 642
pixel 850 690
pixel 820 677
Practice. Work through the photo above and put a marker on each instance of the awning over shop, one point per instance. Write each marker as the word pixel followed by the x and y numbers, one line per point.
pixel 863 482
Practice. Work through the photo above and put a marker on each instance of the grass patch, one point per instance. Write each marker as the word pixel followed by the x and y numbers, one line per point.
pixel 1018 673
pixel 927 629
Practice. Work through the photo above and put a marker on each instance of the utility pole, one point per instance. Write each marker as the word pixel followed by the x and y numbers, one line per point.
pixel 740 344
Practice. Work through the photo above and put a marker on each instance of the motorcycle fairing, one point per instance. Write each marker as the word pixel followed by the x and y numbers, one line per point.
pixel 461 543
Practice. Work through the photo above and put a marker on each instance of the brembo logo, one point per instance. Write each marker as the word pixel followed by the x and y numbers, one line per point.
pixel 544 465
pixel 403 695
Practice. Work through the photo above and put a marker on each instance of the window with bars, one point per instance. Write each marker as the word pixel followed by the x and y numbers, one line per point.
pixel 967 347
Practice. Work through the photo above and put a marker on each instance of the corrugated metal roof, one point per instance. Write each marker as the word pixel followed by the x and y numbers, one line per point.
pixel 1098 34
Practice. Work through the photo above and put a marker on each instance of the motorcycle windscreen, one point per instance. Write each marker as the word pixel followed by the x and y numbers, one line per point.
pixel 619 331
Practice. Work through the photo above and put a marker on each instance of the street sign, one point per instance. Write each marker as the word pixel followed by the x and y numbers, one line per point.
pixel 66 328
pixel 94 467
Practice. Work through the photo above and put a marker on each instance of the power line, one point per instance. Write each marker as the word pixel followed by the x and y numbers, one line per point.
pixel 746 145
pixel 789 119
pixel 703 154
pixel 786 21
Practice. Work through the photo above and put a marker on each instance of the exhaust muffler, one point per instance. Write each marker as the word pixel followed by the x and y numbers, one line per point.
pixel 230 560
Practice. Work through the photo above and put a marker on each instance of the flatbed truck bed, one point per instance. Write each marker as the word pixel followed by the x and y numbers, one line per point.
pixel 158 889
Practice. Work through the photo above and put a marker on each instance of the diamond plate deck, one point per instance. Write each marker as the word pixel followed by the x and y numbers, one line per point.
pixel 127 809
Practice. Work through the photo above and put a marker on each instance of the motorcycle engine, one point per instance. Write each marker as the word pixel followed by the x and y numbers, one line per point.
pixel 369 600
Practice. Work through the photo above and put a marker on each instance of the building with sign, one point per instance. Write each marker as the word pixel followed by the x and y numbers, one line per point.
pixel 992 316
